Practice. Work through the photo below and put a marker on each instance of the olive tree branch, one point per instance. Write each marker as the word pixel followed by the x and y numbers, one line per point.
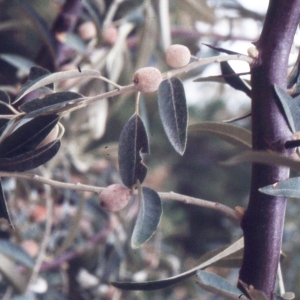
pixel 229 212
pixel 200 62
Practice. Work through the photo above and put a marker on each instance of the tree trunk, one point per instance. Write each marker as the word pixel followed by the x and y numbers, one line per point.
pixel 264 219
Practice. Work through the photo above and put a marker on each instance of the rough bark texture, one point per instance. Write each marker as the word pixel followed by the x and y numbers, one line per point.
pixel 264 218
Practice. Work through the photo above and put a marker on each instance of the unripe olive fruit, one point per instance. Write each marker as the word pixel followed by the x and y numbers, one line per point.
pixel 147 80
pixel 110 35
pixel 87 30
pixel 114 198
pixel 52 135
pixel 178 56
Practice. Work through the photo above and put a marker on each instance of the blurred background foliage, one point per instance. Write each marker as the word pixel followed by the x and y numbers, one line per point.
pixel 64 245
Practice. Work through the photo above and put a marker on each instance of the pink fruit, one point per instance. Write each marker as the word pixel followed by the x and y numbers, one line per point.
pixel 110 35
pixel 178 56
pixel 87 30
pixel 114 198
pixel 147 80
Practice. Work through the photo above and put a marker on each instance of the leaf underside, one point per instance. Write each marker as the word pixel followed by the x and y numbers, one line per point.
pixel 49 79
pixel 173 112
pixel 264 157
pixel 232 134
pixel 48 101
pixel 148 219
pixel 133 141
pixel 217 285
pixel 286 188
pixel 160 284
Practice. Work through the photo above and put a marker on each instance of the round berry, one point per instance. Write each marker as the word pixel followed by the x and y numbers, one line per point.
pixel 114 197
pixel 147 80
pixel 52 135
pixel 87 30
pixel 110 35
pixel 178 56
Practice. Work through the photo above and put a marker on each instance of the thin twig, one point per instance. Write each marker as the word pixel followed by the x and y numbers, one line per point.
pixel 229 212
pixel 54 183
pixel 171 73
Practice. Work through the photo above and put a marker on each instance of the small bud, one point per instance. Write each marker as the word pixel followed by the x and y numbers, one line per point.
pixel 240 211
pixel 147 80
pixel 178 56
pixel 253 52
pixel 87 30
pixel 114 198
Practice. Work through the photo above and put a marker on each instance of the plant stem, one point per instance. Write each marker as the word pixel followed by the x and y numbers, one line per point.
pixel 263 221
pixel 229 212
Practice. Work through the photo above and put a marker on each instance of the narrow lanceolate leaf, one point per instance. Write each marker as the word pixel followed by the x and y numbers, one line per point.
pixel 241 117
pixel 266 158
pixel 20 62
pixel 290 108
pixel 55 77
pixel 219 286
pixel 232 134
pixel 217 79
pixel 160 284
pixel 286 188
pixel 31 159
pixel 150 212
pixel 28 136
pixel 173 112
pixel 49 101
pixel 234 81
pixel 221 49
pixel 4 213
pixel 133 141
pixel 233 260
